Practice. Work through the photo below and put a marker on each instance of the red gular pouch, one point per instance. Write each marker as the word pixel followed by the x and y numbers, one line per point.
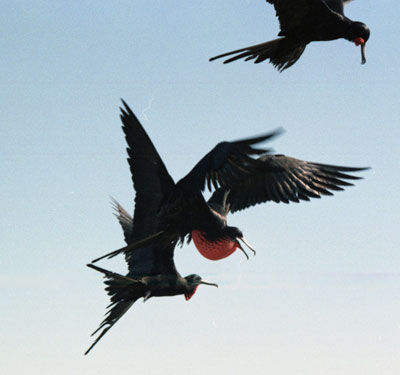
pixel 359 41
pixel 188 296
pixel 216 250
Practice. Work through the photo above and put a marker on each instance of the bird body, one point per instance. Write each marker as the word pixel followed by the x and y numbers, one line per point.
pixel 166 213
pixel 152 273
pixel 161 285
pixel 177 211
pixel 303 22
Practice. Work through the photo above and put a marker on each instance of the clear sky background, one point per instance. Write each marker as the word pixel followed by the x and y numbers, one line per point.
pixel 322 294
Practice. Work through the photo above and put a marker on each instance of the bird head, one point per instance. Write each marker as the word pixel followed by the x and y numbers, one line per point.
pixel 221 247
pixel 360 35
pixel 237 235
pixel 193 282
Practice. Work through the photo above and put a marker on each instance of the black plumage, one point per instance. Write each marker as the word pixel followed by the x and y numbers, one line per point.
pixel 302 22
pixel 166 212
pixel 152 273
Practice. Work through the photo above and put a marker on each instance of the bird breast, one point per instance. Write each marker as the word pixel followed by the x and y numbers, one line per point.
pixel 213 250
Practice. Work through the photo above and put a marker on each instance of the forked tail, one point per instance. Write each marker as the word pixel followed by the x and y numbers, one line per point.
pixel 123 292
pixel 282 53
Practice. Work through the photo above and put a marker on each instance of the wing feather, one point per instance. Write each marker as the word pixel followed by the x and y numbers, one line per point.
pixel 226 164
pixel 150 177
pixel 286 179
pixel 152 184
pixel 295 14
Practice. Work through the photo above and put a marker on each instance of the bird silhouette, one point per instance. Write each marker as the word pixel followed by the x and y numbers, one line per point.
pixel 166 212
pixel 152 273
pixel 302 22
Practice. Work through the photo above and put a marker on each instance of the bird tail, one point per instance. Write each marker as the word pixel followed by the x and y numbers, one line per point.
pixel 123 292
pixel 282 53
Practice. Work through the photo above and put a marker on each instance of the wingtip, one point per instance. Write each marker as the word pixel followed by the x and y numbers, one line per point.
pixel 90 265
pixel 108 255
pixel 278 131
pixel 216 58
pixel 124 103
pixel 270 135
pixel 126 110
pixel 115 205
pixel 113 201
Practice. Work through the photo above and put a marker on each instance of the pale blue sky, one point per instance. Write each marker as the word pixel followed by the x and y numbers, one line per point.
pixel 320 297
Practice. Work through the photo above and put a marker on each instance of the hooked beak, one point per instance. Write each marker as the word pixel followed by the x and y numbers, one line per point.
pixel 361 42
pixel 363 58
pixel 208 283
pixel 247 244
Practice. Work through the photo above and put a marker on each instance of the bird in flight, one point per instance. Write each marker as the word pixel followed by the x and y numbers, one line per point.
pixel 302 22
pixel 166 213
pixel 152 273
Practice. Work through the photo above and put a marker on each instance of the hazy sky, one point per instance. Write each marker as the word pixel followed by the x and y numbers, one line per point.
pixel 322 294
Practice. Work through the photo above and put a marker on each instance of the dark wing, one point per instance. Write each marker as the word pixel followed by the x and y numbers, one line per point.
pixel 124 219
pixel 152 184
pixel 285 179
pixel 337 5
pixel 226 164
pixel 150 177
pixel 294 14
pixel 123 292
pixel 153 258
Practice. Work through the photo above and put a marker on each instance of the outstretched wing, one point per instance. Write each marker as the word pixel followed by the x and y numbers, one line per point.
pixel 337 5
pixel 294 14
pixel 123 292
pixel 226 164
pixel 124 219
pixel 150 177
pixel 152 184
pixel 153 258
pixel 284 179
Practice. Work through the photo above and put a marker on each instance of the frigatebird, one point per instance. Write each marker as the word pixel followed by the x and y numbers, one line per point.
pixel 302 22
pixel 166 212
pixel 152 272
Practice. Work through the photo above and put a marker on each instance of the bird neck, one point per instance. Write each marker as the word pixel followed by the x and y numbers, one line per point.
pixel 215 249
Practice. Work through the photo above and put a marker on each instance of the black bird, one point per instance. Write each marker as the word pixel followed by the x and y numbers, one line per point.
pixel 166 213
pixel 152 273
pixel 302 22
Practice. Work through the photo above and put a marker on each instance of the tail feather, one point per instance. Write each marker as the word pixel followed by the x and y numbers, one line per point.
pixel 282 53
pixel 120 309
pixel 124 292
